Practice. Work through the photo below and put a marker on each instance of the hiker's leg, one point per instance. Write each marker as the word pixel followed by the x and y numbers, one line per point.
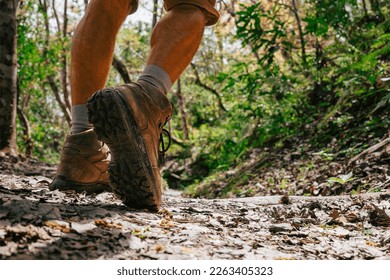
pixel 133 126
pixel 84 161
pixel 177 36
pixel 93 46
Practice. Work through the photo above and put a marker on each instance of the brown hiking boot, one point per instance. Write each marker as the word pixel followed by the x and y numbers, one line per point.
pixel 83 165
pixel 130 120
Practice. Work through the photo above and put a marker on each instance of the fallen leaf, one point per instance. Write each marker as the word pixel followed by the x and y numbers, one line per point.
pixel 60 225
pixel 352 217
pixel 107 224
pixel 334 214
pixel 159 248
pixel 166 224
pixel 371 243
pixel 166 214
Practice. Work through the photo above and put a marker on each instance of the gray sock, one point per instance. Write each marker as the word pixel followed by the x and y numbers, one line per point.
pixel 80 122
pixel 156 76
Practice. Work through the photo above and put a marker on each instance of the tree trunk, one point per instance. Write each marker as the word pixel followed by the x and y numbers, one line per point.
pixel 26 128
pixel 155 9
pixel 63 101
pixel 53 5
pixel 64 66
pixel 26 132
pixel 365 8
pixel 300 30
pixel 182 110
pixel 8 74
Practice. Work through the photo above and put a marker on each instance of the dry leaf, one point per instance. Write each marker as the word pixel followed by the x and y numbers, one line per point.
pixel 60 225
pixel 106 224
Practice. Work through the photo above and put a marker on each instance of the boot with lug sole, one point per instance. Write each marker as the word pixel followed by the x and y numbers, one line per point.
pixel 83 165
pixel 130 120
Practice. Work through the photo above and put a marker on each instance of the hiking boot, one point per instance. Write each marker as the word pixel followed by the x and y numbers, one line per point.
pixel 130 120
pixel 83 165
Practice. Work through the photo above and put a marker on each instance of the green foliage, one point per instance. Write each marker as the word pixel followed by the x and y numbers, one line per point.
pixel 132 48
pixel 327 16
pixel 321 78
pixel 262 30
pixel 342 179
pixel 274 94
pixel 37 59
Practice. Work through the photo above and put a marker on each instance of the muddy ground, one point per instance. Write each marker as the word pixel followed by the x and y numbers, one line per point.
pixel 36 223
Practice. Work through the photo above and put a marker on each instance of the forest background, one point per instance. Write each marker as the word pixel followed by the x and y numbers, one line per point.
pixel 273 83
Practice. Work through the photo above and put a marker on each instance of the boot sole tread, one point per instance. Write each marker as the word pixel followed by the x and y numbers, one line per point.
pixel 131 174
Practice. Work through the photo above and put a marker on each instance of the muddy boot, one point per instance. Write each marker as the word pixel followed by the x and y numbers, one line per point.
pixel 130 120
pixel 83 165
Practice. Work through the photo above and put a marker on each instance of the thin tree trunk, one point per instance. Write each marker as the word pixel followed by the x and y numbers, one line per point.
pixel 300 30
pixel 155 9
pixel 26 132
pixel 365 8
pixel 121 68
pixel 53 4
pixel 64 66
pixel 64 62
pixel 183 114
pixel 8 76
pixel 64 104
pixel 24 122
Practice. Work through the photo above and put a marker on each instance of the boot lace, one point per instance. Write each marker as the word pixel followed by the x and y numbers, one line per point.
pixel 162 148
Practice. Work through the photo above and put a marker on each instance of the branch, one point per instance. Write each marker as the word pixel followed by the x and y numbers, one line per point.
pixel 206 87
pixel 370 150
pixel 64 66
pixel 56 92
pixel 230 11
pixel 26 131
pixel 26 127
pixel 183 114
pixel 56 16
pixel 65 106
pixel 121 68
pixel 300 30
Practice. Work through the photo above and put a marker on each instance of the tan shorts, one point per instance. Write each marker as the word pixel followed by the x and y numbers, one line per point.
pixel 208 7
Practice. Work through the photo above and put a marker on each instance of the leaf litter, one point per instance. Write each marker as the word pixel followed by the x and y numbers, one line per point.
pixel 36 223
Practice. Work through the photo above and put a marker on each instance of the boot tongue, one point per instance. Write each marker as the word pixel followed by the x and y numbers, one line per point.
pixel 157 96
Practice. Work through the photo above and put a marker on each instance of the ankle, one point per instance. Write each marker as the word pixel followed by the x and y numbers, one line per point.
pixel 156 76
pixel 80 122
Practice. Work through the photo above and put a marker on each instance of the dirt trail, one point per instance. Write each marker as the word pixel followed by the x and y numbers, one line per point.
pixel 36 223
